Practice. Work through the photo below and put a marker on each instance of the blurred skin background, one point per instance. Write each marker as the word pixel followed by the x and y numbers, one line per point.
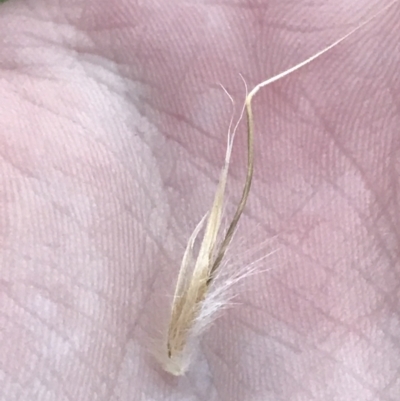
pixel 112 135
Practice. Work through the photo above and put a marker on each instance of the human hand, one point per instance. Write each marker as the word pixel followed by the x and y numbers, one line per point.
pixel 113 130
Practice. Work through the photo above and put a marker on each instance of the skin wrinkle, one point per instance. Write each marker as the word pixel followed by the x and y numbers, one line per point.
pixel 53 329
pixel 358 378
pixel 291 105
pixel 190 124
pixel 15 166
pixel 337 143
pixel 293 247
pixel 374 390
pixel 312 302
pixel 93 141
pixel 176 140
pixel 53 372
pixel 322 312
pixel 84 315
pixel 64 277
pixel 359 169
pixel 116 158
pixel 350 158
pixel 22 328
pixel 370 227
pixel 244 384
pixel 352 374
pixel 198 168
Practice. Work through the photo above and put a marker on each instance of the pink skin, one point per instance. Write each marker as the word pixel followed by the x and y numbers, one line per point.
pixel 113 131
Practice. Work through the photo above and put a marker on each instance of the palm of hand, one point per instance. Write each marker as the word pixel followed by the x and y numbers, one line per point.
pixel 112 137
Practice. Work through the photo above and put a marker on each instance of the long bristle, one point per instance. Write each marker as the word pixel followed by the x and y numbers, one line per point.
pixel 197 300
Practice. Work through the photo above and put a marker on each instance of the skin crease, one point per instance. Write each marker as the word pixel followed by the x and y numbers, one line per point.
pixel 112 135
